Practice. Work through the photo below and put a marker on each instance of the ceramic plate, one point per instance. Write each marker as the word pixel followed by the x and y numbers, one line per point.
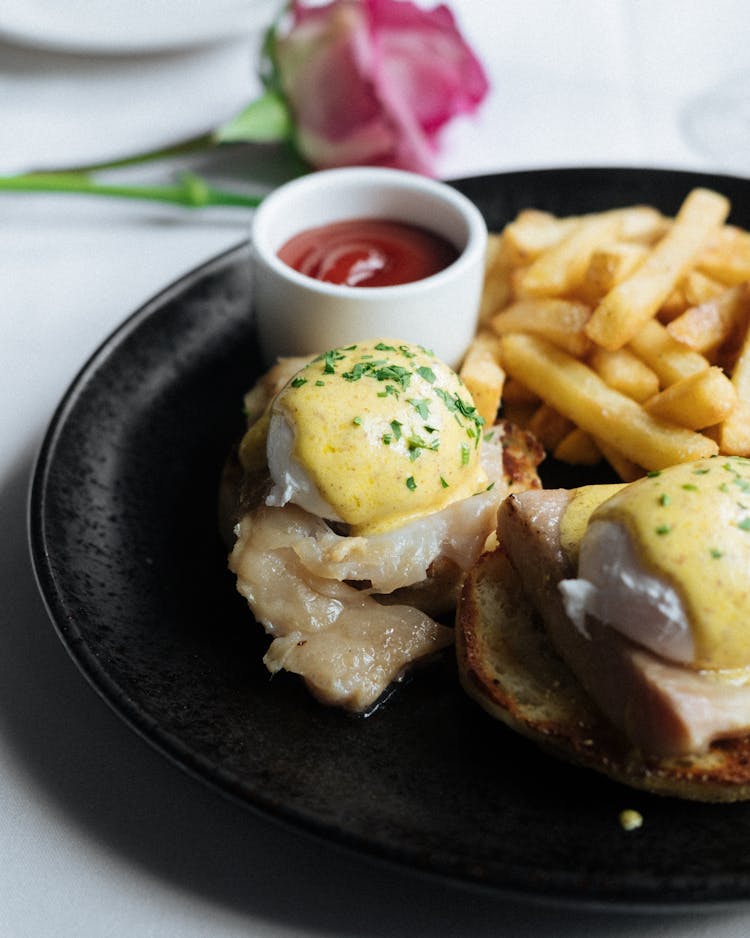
pixel 124 538
pixel 130 26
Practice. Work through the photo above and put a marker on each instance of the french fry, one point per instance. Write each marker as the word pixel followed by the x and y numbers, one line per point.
pixel 549 426
pixel 671 360
pixel 674 305
pixel 677 289
pixel 699 288
pixel 559 321
pixel 532 232
pixel 482 374
pixel 693 289
pixel 608 266
pixel 515 392
pixel 727 257
pixel 518 412
pixel 625 372
pixel 630 304
pixel 562 267
pixel 642 223
pixel 578 393
pixel 497 287
pixel 734 432
pixel 707 326
pixel 578 448
pixel 699 401
pixel 625 468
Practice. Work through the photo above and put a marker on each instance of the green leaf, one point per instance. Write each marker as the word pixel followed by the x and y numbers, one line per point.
pixel 266 120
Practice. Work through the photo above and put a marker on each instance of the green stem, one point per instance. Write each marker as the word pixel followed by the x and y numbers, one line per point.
pixel 195 144
pixel 191 191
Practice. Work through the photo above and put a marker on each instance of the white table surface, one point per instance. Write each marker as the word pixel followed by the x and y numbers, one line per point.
pixel 100 835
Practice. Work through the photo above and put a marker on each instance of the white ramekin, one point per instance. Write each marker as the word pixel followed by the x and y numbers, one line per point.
pixel 298 315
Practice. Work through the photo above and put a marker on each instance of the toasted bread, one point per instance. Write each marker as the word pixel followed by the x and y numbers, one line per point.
pixel 507 664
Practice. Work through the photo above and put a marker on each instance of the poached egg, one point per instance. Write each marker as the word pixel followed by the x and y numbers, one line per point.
pixel 372 436
pixel 665 561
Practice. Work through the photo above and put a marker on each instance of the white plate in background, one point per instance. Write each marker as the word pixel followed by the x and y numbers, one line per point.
pixel 130 26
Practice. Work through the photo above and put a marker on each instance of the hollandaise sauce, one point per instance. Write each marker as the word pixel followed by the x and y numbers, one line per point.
pixel 691 525
pixel 384 431
pixel 368 252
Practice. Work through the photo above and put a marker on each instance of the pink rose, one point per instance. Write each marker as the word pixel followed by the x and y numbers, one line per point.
pixel 373 81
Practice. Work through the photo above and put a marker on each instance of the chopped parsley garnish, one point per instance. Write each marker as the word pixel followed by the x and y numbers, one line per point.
pixel 427 373
pixel 357 421
pixel 411 484
pixel 443 482
pixel 394 373
pixel 396 427
pixel 330 358
pixel 664 499
pixel 715 553
pixel 465 451
pixel 421 405
pixel 663 529
pixel 415 444
pixel 298 382
pixel 690 488
pixel 653 473
pixel 744 525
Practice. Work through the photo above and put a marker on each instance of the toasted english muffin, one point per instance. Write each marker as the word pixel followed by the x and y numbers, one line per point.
pixel 507 664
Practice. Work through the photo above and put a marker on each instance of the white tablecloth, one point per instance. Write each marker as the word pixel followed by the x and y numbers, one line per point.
pixel 99 835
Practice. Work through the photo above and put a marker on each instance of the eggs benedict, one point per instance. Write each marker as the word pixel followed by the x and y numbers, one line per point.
pixel 636 600
pixel 370 486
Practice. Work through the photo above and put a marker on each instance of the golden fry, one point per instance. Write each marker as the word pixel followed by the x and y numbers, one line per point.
pixel 698 401
pixel 559 321
pixel 671 360
pixel 642 223
pixel 625 468
pixel 515 392
pixel 707 326
pixel 699 288
pixel 625 372
pixel 497 286
pixel 734 432
pixel 549 426
pixel 630 304
pixel 482 374
pixel 608 266
pixel 727 257
pixel 577 392
pixel 561 268
pixel 532 232
pixel 578 448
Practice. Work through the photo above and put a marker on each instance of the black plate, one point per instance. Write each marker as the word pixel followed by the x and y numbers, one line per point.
pixel 124 540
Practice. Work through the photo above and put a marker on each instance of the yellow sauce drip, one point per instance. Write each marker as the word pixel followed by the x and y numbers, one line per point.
pixel 575 519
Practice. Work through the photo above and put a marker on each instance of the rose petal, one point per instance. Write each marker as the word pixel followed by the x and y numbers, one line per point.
pixel 373 81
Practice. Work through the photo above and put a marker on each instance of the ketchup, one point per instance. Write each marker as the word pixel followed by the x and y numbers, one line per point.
pixel 368 252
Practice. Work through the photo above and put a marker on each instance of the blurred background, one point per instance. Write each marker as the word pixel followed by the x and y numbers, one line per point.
pixel 98 835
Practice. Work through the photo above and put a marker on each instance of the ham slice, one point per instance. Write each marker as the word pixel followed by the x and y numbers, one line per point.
pixel 663 708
